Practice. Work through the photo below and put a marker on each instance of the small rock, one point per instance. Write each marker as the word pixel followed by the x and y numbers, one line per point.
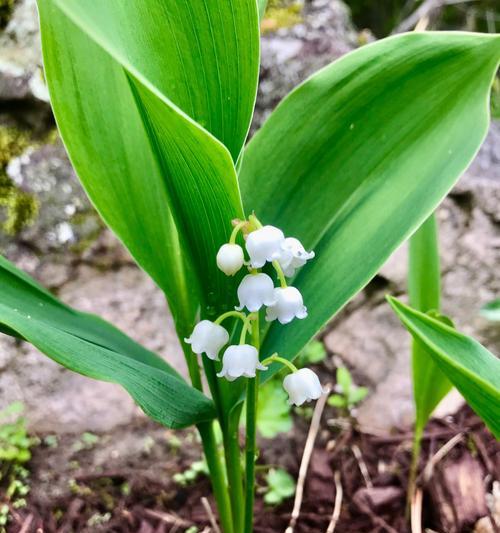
pixel 21 57
pixel 378 498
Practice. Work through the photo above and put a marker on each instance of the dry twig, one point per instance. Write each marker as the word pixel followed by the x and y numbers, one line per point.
pixel 306 457
pixel 337 505
pixel 168 518
pixel 416 512
pixel 439 455
pixel 211 515
pixel 362 465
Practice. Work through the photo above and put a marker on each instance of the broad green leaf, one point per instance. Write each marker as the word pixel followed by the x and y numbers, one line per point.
pixel 473 370
pixel 359 155
pixel 430 385
pixel 491 310
pixel 127 83
pixel 90 346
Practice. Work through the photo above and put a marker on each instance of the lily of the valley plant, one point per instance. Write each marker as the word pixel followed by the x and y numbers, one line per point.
pixel 153 100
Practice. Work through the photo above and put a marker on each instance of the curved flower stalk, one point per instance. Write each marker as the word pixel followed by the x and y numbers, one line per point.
pixel 257 292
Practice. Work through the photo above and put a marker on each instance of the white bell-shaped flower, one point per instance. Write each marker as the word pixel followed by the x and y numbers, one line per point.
pixel 288 304
pixel 264 245
pixel 209 338
pixel 230 258
pixel 293 256
pixel 242 360
pixel 302 386
pixel 254 291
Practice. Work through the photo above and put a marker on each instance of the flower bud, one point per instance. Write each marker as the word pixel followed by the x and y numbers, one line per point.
pixel 240 361
pixel 264 245
pixel 230 258
pixel 254 291
pixel 288 304
pixel 302 386
pixel 293 256
pixel 208 337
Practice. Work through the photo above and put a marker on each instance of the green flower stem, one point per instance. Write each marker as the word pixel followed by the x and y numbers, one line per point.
pixel 233 466
pixel 236 230
pixel 276 359
pixel 280 273
pixel 217 476
pixel 229 314
pixel 251 435
pixel 206 431
pixel 247 326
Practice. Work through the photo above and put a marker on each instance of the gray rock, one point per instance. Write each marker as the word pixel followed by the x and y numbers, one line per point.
pixel 290 55
pixel 66 219
pixel 20 56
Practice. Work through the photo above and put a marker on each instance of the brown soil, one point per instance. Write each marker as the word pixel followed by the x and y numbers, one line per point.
pixel 138 494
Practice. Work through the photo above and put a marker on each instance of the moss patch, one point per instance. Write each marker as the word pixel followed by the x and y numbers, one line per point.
pixel 281 14
pixel 6 8
pixel 18 208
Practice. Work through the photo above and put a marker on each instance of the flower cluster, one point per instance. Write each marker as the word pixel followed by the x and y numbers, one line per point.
pixel 263 244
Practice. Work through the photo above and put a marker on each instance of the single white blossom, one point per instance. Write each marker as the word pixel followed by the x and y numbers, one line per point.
pixel 264 245
pixel 302 386
pixel 288 304
pixel 254 291
pixel 293 256
pixel 242 360
pixel 208 337
pixel 230 258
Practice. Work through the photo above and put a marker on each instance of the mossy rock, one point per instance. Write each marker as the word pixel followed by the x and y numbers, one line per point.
pixel 281 14
pixel 18 209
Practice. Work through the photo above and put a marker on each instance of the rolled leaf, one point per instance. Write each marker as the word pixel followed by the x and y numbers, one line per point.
pixel 360 154
pixel 430 385
pixel 128 81
pixel 473 370
pixel 90 346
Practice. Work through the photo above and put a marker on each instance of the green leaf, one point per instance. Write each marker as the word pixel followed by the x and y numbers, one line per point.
pixel 359 155
pixel 430 385
pixel 280 486
pixel 491 310
pixel 127 83
pixel 344 379
pixel 90 346
pixel 335 400
pixel 357 394
pixel 261 4
pixel 273 410
pixel 473 370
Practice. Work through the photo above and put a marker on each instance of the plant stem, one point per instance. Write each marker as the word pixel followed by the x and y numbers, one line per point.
pixel 275 358
pixel 217 477
pixel 281 274
pixel 251 437
pixel 209 443
pixel 233 466
pixel 424 290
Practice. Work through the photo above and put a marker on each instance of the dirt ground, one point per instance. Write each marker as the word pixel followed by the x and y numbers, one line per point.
pixel 124 484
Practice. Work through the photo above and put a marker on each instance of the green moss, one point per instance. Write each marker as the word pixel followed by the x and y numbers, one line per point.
pixel 281 14
pixel 6 8
pixel 18 208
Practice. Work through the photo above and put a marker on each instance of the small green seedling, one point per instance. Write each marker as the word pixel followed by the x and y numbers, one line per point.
pixel 348 395
pixel 15 452
pixel 190 475
pixel 280 486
